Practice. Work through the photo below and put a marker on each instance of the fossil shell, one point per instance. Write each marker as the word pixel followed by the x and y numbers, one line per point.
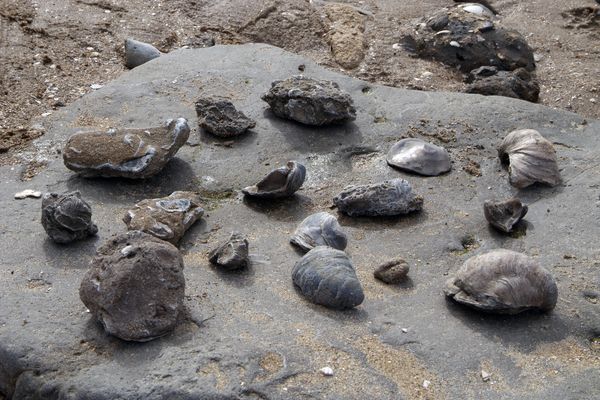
pixel 281 182
pixel 220 117
pixel 326 276
pixel 67 217
pixel 503 281
pixel 394 271
pixel 138 53
pixel 233 254
pixel 504 215
pixel 320 229
pixel 393 197
pixel 530 158
pixel 418 156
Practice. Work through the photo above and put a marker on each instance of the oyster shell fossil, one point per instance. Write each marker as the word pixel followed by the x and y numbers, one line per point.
pixel 530 158
pixel 320 229
pixel 281 182
pixel 326 276
pixel 231 255
pixel 504 215
pixel 503 281
pixel 67 217
pixel 388 198
pixel 418 156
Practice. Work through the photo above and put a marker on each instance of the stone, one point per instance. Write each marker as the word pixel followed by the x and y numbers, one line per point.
pixel 327 371
pixel 483 3
pixel 28 193
pixel 138 53
pixel 504 215
pixel 346 34
pixel 232 254
pixel 503 282
pixel 320 229
pixel 416 155
pixel 279 183
pixel 478 41
pixel 388 198
pixel 135 286
pixel 67 217
pixel 326 276
pixel 220 118
pixel 518 84
pixel 129 153
pixel 167 218
pixel 310 101
pixel 392 272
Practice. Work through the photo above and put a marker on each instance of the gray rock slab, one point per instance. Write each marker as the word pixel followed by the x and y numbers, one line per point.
pixel 251 334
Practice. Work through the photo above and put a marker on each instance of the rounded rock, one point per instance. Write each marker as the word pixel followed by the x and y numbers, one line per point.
pixel 392 272
pixel 138 53
pixel 67 217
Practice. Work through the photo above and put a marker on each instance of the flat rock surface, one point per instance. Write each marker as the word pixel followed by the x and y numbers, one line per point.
pixel 251 334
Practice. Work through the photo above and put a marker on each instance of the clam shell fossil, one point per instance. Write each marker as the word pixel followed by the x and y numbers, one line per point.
pixel 418 156
pixel 281 182
pixel 320 229
pixel 231 255
pixel 388 198
pixel 504 282
pixel 504 215
pixel 326 276
pixel 530 158
pixel 67 217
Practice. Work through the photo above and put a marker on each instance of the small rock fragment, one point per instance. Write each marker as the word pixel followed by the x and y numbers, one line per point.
pixel 128 153
pixel 220 117
pixel 327 371
pixel 485 376
pixel 418 156
pixel 392 272
pixel 389 198
pixel 135 286
pixel 28 193
pixel 231 255
pixel 518 84
pixel 504 215
pixel 138 53
pixel 281 182
pixel 167 218
pixel 310 101
pixel 426 384
pixel 320 229
pixel 67 217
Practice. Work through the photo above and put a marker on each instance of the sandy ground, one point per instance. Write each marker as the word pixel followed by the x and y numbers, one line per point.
pixel 52 52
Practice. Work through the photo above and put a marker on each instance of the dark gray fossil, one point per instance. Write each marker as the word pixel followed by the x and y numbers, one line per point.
pixel 135 286
pixel 504 215
pixel 129 153
pixel 167 218
pixel 281 182
pixel 503 281
pixel 67 217
pixel 310 101
pixel 489 81
pixel 530 159
pixel 388 198
pixel 220 117
pixel 138 53
pixel 326 276
pixel 231 255
pixel 394 271
pixel 418 156
pixel 320 229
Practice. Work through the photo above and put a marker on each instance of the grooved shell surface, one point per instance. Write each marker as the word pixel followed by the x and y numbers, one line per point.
pixel 326 276
pixel 320 229
pixel 503 281
pixel 67 217
pixel 418 156
pixel 281 182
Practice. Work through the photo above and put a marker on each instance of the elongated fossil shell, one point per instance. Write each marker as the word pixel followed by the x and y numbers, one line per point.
pixel 418 156
pixel 67 217
pixel 281 182
pixel 326 276
pixel 388 198
pixel 504 215
pixel 320 229
pixel 504 282
pixel 530 158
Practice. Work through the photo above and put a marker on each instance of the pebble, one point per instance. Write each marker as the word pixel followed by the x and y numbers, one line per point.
pixel 426 384
pixel 327 371
pixel 96 86
pixel 485 375
pixel 28 193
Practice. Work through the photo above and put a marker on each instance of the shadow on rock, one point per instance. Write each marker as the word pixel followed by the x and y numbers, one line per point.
pixel 75 255
pixel 382 223
pixel 296 206
pixel 237 278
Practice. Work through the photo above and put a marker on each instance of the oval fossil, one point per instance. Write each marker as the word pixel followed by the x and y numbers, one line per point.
pixel 504 282
pixel 67 217
pixel 530 159
pixel 281 182
pixel 320 229
pixel 388 198
pixel 326 276
pixel 391 272
pixel 418 156
pixel 504 215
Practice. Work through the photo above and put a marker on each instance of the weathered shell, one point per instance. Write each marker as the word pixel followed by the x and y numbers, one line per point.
pixel 505 282
pixel 281 182
pixel 530 158
pixel 477 9
pixel 326 276
pixel 393 197
pixel 67 217
pixel 418 156
pixel 320 229
pixel 504 215
pixel 231 255
pixel 394 271
pixel 221 118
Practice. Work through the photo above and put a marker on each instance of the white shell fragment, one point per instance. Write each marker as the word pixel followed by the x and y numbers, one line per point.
pixel 478 9
pixel 327 371
pixel 28 193
pixel 418 156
